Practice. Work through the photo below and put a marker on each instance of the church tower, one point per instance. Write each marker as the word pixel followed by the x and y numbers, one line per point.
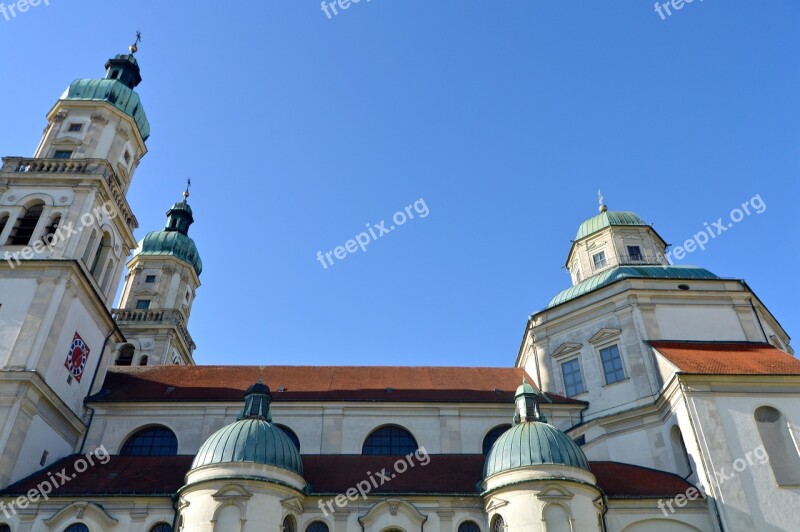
pixel 66 230
pixel 159 291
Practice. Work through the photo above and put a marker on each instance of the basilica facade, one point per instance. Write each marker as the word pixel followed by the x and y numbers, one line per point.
pixel 644 397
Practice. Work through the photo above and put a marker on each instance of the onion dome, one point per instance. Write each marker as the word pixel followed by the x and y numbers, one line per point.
pixel 252 439
pixel 116 88
pixel 174 238
pixel 532 441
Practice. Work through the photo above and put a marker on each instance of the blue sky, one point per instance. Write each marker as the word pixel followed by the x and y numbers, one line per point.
pixel 504 117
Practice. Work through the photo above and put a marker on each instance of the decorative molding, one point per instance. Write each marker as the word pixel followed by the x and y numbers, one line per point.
pixel 605 335
pixel 494 503
pixel 100 119
pixel 76 510
pixel 122 133
pixel 566 349
pixel 293 504
pixel 59 117
pixel 394 507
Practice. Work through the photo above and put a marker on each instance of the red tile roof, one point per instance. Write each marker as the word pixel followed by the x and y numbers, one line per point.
pixel 334 474
pixel 631 481
pixel 728 358
pixel 316 383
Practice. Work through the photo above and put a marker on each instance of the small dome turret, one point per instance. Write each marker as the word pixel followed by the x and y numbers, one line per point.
pixel 252 439
pixel 174 238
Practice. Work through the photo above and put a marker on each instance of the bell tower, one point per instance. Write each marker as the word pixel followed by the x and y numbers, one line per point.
pixel 159 291
pixel 66 230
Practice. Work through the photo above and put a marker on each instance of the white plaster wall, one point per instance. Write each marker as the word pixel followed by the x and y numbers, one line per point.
pixel 40 437
pixel 16 296
pixel 78 319
pixel 688 322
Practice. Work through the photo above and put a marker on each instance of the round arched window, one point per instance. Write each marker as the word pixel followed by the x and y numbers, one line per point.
pixel 289 524
pixel 77 527
pixel 292 436
pixel 152 441
pixel 317 526
pixel 492 437
pixel 469 526
pixel 498 525
pixel 390 441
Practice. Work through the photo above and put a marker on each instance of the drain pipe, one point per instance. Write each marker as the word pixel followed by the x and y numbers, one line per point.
pixel 91 385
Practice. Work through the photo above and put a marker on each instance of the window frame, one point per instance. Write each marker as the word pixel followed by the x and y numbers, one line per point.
pixel 609 345
pixel 127 445
pixel 640 255
pixel 602 263
pixel 577 360
pixel 374 433
pixel 149 279
pixel 59 154
pixel 75 127
pixel 143 304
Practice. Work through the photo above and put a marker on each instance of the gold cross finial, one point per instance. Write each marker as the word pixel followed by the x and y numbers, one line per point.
pixel 603 207
pixel 188 186
pixel 134 48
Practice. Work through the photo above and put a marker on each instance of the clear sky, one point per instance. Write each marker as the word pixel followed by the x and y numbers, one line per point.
pixel 505 118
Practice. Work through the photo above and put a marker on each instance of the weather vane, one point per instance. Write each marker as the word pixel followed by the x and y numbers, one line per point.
pixel 133 48
pixel 603 207
pixel 188 186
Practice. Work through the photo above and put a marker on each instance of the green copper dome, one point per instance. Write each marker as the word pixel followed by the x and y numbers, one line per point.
pixel 624 272
pixel 174 238
pixel 531 441
pixel 530 444
pixel 122 75
pixel 607 219
pixel 252 439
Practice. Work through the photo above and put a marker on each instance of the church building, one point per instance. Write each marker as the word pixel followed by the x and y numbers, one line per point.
pixel 645 397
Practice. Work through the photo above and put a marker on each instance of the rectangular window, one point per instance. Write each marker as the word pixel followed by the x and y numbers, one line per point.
pixel 599 260
pixel 75 127
pixel 612 364
pixel 62 154
pixel 635 253
pixel 143 304
pixel 572 377
pixel 150 279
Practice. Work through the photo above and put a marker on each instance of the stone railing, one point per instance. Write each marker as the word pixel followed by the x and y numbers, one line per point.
pixel 155 316
pixel 101 167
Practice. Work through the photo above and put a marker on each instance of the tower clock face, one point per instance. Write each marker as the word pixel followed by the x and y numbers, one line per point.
pixel 76 357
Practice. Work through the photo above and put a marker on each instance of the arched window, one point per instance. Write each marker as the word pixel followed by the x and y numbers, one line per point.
pixel 152 441
pixel 77 527
pixel 779 445
pixel 3 224
pixel 87 253
pixel 107 275
pixel 498 525
pixel 292 436
pixel 125 357
pixel 490 438
pixel 143 360
pixel 682 461
pixel 289 524
pixel 26 224
pixel 390 441
pixel 50 230
pixel 317 526
pixel 4 527
pixel 469 526
pixel 100 255
pixel 161 527
pixel 556 519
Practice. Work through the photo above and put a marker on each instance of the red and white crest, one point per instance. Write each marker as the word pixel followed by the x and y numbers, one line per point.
pixel 77 357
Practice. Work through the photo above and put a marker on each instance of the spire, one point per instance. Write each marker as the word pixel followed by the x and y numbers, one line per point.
pixel 603 206
pixel 527 404
pixel 257 400
pixel 179 216
pixel 124 67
